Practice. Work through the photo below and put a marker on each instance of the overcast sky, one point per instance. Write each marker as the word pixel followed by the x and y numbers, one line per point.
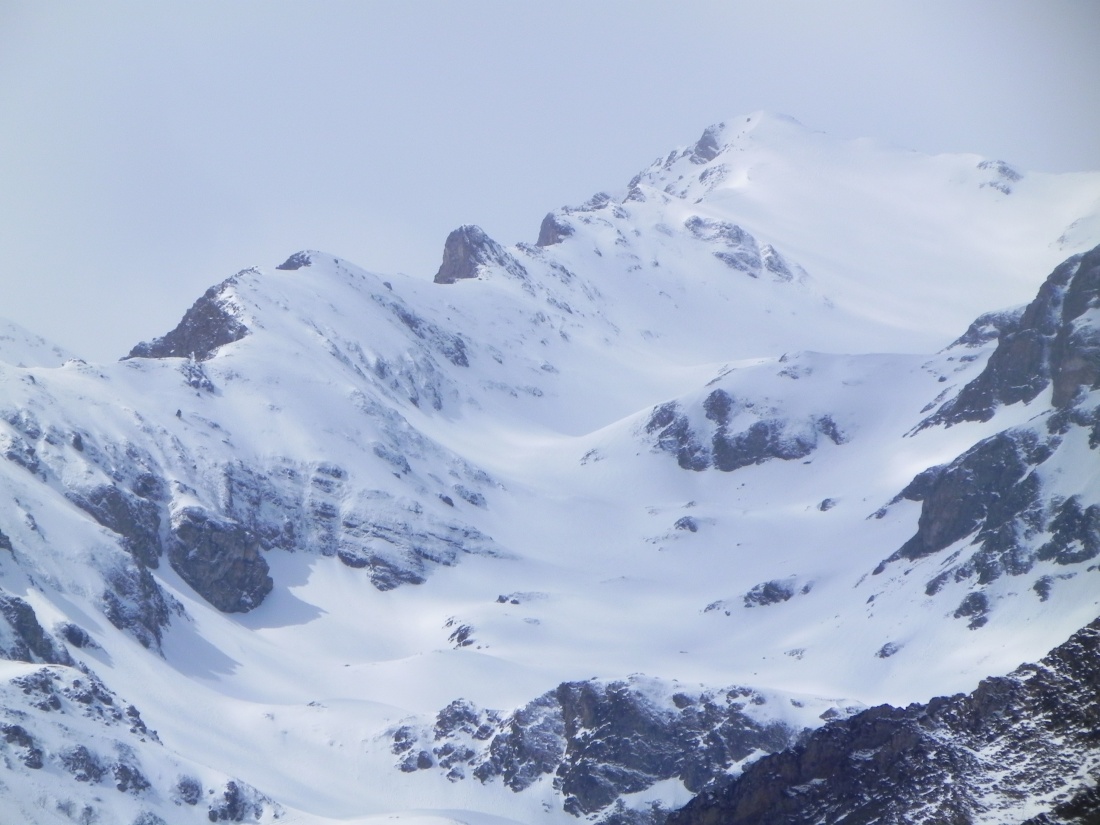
pixel 151 149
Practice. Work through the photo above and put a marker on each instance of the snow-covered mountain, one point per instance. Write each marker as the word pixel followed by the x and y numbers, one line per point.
pixel 787 428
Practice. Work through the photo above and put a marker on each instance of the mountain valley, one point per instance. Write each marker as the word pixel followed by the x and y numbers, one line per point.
pixel 751 488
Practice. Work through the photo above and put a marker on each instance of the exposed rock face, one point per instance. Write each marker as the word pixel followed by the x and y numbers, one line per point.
pixel 739 250
pixel 1074 533
pixel 210 323
pixel 996 505
pixel 599 740
pixel 553 230
pixel 24 639
pixel 989 326
pixel 1081 809
pixel 394 542
pixel 1056 339
pixel 134 518
pixel 707 148
pixel 16 450
pixel 296 261
pixel 134 602
pixel 737 434
pixel 774 592
pixel 673 434
pixel 466 250
pixel 238 803
pixel 64 730
pixel 764 594
pixel 997 495
pixel 987 486
pixel 220 559
pixel 1075 353
pixel 1025 738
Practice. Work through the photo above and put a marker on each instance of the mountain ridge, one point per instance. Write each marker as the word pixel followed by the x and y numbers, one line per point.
pixel 505 541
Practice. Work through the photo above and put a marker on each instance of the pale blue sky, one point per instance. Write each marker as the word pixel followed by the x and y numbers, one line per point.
pixel 151 149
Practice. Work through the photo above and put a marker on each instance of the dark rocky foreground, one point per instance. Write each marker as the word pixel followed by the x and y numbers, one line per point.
pixel 595 741
pixel 1020 748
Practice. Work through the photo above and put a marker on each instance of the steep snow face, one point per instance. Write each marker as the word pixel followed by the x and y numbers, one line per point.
pixel 498 546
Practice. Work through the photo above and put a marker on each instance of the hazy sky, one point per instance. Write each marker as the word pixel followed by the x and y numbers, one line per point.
pixel 151 149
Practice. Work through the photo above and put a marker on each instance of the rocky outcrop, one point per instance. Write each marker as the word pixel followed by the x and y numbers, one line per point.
pixel 238 802
pixel 1081 809
pixel 467 250
pixel 989 327
pixel 1015 743
pixel 394 542
pixel 1074 532
pixel 737 434
pixel 774 592
pixel 1075 352
pixel 553 230
pixel 296 261
pixel 1055 340
pixel 135 519
pixel 22 638
pixel 65 732
pixel 672 433
pixel 999 176
pixel 708 147
pixel 997 508
pixel 996 494
pixel 448 344
pixel 739 250
pixel 220 559
pixel 133 601
pixel 598 740
pixel 988 487
pixel 210 323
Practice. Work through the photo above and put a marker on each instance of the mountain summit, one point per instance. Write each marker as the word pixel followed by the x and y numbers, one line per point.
pixel 786 429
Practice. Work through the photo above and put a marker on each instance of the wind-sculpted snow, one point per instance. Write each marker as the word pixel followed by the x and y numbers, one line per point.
pixel 691 438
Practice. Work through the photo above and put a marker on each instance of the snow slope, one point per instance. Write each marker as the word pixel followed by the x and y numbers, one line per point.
pixel 23 348
pixel 657 468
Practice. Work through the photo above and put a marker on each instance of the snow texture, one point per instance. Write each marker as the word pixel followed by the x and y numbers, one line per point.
pixel 579 529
